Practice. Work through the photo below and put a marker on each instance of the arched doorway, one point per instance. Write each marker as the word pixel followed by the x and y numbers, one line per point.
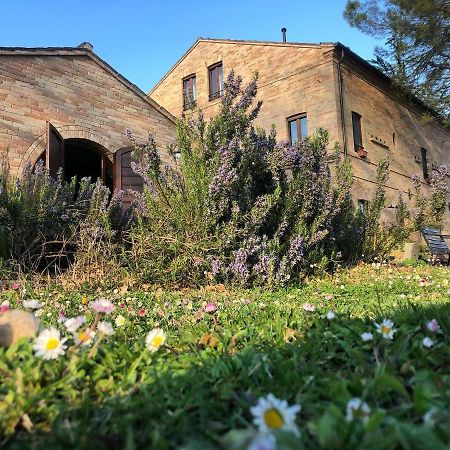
pixel 84 158
pixel 78 157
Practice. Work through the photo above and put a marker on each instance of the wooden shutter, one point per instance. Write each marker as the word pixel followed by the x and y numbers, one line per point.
pixel 124 177
pixel 54 155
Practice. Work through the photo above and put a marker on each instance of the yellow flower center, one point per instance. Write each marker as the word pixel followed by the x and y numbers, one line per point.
pixel 52 343
pixel 84 301
pixel 83 336
pixel 157 341
pixel 385 329
pixel 273 418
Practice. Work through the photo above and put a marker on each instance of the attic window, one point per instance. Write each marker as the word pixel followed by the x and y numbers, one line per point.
pixel 215 81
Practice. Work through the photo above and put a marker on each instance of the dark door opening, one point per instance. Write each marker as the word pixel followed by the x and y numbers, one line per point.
pixel 83 158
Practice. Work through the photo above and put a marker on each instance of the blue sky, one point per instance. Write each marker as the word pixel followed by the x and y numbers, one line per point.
pixel 142 39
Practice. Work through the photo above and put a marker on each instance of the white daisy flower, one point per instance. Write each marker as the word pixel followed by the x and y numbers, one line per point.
pixel 102 306
pixel 386 329
pixel 105 328
pixel 427 342
pixel 31 304
pixel 271 414
pixel 155 339
pixel 74 323
pixel 330 315
pixel 367 336
pixel 428 418
pixel 84 337
pixel 49 344
pixel 120 320
pixel 357 409
pixel 263 442
pixel 433 326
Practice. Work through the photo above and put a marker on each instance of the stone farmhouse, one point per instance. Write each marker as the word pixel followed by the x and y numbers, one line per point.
pixel 306 86
pixel 70 108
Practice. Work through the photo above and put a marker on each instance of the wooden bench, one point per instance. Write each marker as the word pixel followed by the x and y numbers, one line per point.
pixel 436 242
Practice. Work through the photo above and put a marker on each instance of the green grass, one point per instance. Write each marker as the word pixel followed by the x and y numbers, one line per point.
pixel 199 396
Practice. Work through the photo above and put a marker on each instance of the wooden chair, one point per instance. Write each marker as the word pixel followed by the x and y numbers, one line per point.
pixel 436 242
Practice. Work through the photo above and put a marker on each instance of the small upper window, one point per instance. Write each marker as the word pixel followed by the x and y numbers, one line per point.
pixel 357 134
pixel 424 164
pixel 215 81
pixel 298 128
pixel 189 91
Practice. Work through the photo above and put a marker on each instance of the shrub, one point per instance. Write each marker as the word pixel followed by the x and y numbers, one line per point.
pixel 238 206
pixel 45 222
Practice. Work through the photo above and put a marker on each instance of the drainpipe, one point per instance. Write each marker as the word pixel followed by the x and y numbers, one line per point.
pixel 341 103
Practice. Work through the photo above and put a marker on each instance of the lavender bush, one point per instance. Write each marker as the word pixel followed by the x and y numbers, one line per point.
pixel 43 220
pixel 237 206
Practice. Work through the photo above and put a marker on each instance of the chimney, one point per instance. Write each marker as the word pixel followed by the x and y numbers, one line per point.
pixel 86 45
pixel 283 31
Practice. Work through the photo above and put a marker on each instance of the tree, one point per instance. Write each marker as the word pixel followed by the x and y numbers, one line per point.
pixel 416 52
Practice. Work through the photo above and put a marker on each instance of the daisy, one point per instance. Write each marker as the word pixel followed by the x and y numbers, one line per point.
pixel 357 409
pixel 263 442
pixel 74 323
pixel 427 342
pixel 31 304
pixel 330 315
pixel 210 307
pixel 4 306
pixel 49 344
pixel 102 306
pixel 308 307
pixel 84 338
pixel 105 328
pixel 271 414
pixel 120 320
pixel 433 326
pixel 386 329
pixel 367 336
pixel 155 339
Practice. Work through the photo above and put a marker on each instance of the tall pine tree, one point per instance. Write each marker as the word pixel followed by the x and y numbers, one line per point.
pixel 416 51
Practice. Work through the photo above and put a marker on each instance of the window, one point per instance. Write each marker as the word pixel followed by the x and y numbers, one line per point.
pixel 215 81
pixel 298 128
pixel 357 134
pixel 424 164
pixel 189 91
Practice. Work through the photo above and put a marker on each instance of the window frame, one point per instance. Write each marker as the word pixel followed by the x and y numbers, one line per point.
pixel 356 121
pixel 424 163
pixel 217 82
pixel 193 86
pixel 297 118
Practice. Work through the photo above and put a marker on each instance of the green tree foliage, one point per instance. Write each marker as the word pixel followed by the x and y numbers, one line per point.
pixel 416 53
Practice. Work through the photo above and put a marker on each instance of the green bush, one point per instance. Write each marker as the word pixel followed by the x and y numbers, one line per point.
pixel 45 223
pixel 237 206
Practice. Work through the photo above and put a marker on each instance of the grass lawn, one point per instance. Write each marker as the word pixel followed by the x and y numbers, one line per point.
pixel 226 350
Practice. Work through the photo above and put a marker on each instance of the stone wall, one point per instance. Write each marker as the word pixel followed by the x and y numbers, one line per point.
pixel 303 78
pixel 291 80
pixel 79 94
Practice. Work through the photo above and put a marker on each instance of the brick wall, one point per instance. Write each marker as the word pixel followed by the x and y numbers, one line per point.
pixel 79 94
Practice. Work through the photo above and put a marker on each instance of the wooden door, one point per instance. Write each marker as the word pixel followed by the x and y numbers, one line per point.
pixel 124 177
pixel 54 154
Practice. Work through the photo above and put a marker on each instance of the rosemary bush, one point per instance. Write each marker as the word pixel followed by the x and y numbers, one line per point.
pixel 237 206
